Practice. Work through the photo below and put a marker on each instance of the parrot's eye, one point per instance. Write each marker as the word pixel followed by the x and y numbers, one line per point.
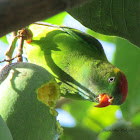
pixel 111 79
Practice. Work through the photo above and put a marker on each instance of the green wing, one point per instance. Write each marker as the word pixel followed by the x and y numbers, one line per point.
pixel 93 43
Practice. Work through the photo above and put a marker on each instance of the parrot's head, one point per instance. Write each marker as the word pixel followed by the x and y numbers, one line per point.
pixel 109 85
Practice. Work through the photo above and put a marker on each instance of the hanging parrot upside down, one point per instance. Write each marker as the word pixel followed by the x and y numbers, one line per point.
pixel 78 61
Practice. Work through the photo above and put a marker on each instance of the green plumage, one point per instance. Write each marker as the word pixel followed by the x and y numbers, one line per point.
pixel 76 59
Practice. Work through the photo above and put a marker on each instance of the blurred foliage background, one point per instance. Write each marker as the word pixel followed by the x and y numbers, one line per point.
pixel 80 119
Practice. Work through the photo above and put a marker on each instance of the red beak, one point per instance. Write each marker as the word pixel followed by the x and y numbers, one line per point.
pixel 104 100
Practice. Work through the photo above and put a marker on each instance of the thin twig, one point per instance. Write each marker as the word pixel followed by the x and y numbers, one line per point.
pixel 23 34
pixel 48 24
pixel 9 60
pixel 20 49
pixel 11 49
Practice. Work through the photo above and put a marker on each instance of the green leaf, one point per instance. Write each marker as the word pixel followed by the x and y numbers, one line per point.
pixel 92 117
pixel 136 120
pixel 127 58
pixel 102 117
pixel 57 19
pixel 120 131
pixel 4 39
pixel 81 106
pixel 4 131
pixel 78 133
pixel 111 17
pixel 110 39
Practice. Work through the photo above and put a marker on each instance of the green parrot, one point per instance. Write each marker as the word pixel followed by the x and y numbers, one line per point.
pixel 78 62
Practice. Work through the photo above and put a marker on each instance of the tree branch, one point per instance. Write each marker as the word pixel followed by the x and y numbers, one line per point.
pixel 16 14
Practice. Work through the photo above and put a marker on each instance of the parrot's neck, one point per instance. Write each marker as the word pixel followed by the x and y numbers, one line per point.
pixel 81 70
